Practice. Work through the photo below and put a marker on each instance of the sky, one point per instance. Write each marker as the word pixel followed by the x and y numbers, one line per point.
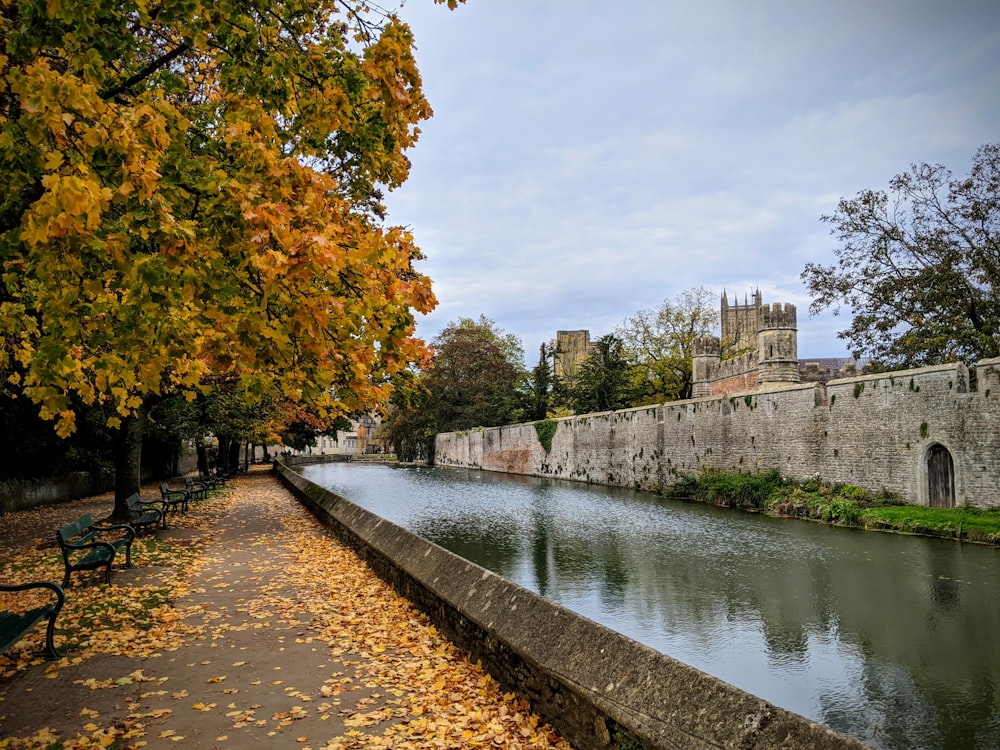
pixel 588 160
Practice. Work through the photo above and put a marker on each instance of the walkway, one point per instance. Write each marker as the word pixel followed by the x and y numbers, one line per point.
pixel 246 624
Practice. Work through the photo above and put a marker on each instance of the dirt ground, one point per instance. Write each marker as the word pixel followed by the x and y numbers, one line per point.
pixel 245 624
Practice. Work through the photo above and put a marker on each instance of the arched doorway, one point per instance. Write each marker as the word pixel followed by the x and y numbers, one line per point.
pixel 940 478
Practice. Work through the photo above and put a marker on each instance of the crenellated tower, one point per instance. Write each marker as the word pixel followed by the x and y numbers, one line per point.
pixel 759 344
pixel 704 365
pixel 777 344
pixel 571 349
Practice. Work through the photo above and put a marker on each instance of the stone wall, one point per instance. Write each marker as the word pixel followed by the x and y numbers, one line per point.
pixel 745 380
pixel 24 494
pixel 599 688
pixel 873 431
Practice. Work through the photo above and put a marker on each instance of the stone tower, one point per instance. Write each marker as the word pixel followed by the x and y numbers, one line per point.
pixel 777 349
pixel 704 365
pixel 572 347
pixel 740 324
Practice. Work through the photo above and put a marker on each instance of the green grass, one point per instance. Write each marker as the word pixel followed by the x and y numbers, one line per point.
pixel 842 505
pixel 966 523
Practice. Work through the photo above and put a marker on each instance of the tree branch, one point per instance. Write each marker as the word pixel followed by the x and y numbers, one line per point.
pixel 147 71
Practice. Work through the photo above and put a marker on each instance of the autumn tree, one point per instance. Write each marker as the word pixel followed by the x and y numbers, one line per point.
pixel 508 343
pixel 474 380
pixel 659 344
pixel 918 266
pixel 191 194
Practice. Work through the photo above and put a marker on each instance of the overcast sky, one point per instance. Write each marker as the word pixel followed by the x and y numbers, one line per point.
pixel 587 159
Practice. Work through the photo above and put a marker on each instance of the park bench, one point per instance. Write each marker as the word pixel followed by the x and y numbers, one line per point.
pixel 175 500
pixel 197 488
pixel 212 479
pixel 88 546
pixel 15 624
pixel 145 514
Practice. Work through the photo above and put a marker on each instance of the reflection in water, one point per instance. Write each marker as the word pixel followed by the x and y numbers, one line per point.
pixel 887 638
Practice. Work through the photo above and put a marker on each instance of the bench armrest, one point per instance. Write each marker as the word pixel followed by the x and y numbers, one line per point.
pixel 124 527
pixel 55 588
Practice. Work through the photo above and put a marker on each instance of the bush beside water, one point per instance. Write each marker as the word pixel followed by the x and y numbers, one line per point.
pixel 842 505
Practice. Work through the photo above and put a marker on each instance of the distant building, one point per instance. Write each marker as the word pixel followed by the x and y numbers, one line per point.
pixel 571 349
pixel 758 346
pixel 358 439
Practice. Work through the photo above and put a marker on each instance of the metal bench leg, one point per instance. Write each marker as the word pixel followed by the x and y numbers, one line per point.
pixel 50 649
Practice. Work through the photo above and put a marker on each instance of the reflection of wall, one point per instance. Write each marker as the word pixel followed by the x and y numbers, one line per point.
pixel 872 431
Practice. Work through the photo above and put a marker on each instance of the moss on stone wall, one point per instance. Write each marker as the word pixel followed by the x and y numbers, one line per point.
pixel 546 430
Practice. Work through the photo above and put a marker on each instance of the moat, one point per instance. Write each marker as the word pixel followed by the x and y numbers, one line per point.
pixel 891 639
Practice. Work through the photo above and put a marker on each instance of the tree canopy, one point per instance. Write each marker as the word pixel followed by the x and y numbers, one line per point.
pixel 602 381
pixel 660 345
pixel 190 194
pixel 474 380
pixel 918 266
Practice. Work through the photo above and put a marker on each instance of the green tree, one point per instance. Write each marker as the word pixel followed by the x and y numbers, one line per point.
pixel 660 345
pixel 508 343
pixel 472 382
pixel 918 266
pixel 540 386
pixel 190 194
pixel 602 382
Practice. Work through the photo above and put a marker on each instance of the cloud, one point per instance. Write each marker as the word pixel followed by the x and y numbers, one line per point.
pixel 587 161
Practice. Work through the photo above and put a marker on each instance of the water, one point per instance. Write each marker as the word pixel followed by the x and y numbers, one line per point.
pixel 891 639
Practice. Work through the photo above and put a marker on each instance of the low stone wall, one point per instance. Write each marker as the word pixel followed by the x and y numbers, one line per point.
pixel 600 689
pixel 24 494
pixel 328 458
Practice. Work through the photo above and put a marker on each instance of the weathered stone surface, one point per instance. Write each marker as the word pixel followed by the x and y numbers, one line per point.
pixel 599 688
pixel 873 431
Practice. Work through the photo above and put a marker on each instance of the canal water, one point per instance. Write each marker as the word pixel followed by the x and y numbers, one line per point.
pixel 891 639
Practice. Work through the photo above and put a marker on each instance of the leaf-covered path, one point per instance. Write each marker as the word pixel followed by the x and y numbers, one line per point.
pixel 245 624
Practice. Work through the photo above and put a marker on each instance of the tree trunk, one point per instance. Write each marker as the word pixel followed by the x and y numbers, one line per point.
pixel 128 461
pixel 225 452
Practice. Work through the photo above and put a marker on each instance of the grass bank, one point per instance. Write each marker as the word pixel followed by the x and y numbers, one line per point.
pixel 841 505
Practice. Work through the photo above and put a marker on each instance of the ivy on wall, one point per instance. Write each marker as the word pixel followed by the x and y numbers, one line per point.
pixel 546 430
